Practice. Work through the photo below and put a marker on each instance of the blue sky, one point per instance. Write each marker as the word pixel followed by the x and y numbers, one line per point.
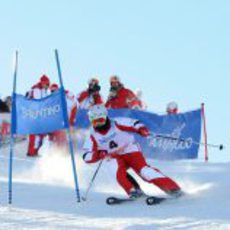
pixel 172 50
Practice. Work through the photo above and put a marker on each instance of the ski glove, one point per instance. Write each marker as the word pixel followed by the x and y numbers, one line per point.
pixel 143 131
pixel 92 157
pixel 101 154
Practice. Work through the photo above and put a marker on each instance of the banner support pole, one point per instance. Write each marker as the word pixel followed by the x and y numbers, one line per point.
pixel 12 130
pixel 66 120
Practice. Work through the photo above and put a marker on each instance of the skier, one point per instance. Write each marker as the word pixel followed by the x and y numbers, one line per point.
pixel 91 95
pixel 172 108
pixel 38 91
pixel 112 138
pixel 121 97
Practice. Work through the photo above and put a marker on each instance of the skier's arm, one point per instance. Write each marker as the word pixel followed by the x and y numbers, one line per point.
pixel 131 125
pixel 92 153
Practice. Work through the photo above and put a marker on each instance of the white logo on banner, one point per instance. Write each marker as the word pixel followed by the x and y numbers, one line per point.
pixel 41 113
pixel 171 142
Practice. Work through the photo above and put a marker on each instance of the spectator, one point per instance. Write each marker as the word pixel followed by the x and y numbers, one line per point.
pixel 59 137
pixel 91 95
pixel 172 108
pixel 71 103
pixel 4 107
pixel 38 91
pixel 8 101
pixel 121 97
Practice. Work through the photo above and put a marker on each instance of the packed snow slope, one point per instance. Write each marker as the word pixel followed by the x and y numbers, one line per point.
pixel 44 196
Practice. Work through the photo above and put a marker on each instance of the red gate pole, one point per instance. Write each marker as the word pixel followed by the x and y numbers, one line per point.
pixel 205 133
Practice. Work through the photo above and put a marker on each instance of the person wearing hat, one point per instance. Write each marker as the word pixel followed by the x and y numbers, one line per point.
pixel 38 91
pixel 90 96
pixel 121 97
pixel 59 137
pixel 41 89
pixel 114 139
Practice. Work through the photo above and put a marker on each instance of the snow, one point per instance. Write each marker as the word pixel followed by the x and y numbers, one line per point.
pixel 44 196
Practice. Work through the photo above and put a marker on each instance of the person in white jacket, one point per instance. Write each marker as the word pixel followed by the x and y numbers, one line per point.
pixel 113 138
pixel 38 91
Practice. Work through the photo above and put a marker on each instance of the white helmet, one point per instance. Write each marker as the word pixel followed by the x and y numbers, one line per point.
pixel 96 112
pixel 172 107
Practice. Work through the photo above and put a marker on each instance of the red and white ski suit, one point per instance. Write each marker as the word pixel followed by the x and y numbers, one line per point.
pixel 124 98
pixel 119 143
pixel 35 141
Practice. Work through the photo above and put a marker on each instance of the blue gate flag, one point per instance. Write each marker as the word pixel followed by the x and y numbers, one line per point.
pixel 39 116
pixel 173 136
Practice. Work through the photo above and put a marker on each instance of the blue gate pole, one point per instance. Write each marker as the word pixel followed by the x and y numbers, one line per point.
pixel 13 128
pixel 66 120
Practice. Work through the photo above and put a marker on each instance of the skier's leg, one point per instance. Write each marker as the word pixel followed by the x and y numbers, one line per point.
pixel 111 166
pixel 132 180
pixel 152 175
pixel 122 178
pixel 135 185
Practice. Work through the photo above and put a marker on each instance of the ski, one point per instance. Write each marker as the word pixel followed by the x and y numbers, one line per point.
pixel 154 200
pixel 115 200
pixel 151 200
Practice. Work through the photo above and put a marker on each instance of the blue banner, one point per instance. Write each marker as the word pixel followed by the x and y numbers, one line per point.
pixel 173 136
pixel 38 116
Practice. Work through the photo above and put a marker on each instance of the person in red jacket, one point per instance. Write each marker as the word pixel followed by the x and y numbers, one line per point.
pixel 121 97
pixel 38 91
pixel 59 137
pixel 90 96
pixel 41 89
pixel 114 139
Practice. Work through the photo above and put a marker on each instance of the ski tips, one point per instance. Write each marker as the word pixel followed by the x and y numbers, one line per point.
pixel 221 147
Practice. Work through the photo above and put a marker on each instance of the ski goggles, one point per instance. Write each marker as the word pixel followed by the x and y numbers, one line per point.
pixel 98 122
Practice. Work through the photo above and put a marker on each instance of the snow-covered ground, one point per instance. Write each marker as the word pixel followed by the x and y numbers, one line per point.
pixel 44 197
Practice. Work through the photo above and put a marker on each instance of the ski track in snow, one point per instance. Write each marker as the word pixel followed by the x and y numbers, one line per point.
pixel 43 196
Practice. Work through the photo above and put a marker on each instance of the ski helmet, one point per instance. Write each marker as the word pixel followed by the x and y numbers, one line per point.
pixel 172 107
pixel 97 115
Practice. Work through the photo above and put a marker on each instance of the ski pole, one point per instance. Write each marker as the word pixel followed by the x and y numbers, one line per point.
pixel 84 198
pixel 220 147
